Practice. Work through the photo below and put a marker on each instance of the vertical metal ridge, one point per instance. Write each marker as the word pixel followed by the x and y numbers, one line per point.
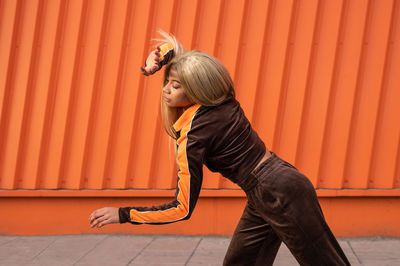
pixel 30 86
pixel 356 102
pixel 66 150
pixel 130 19
pixel 116 110
pixel 2 90
pixel 147 180
pixel 4 122
pixel 333 91
pixel 285 77
pixel 196 24
pixel 138 109
pixel 155 165
pixel 95 97
pixel 243 28
pixel 383 91
pixel 310 76
pixel 174 17
pixel 2 4
pixel 396 178
pixel 220 25
pixel 263 60
pixel 319 87
pixel 50 103
pixel 151 179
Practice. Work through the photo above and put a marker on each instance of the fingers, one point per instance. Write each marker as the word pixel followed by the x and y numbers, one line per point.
pixel 144 72
pixel 101 221
pixel 92 217
pixel 104 216
pixel 104 222
pixel 157 56
pixel 150 70
pixel 152 62
pixel 97 217
pixel 97 221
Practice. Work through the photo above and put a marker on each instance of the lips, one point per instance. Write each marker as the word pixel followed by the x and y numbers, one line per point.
pixel 166 99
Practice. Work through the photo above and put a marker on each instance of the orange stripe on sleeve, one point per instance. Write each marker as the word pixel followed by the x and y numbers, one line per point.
pixel 165 49
pixel 181 210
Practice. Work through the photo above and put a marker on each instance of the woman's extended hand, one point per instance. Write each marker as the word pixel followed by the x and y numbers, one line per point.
pixel 152 62
pixel 103 216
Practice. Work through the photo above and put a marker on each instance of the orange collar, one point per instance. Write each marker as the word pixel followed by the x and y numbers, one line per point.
pixel 185 117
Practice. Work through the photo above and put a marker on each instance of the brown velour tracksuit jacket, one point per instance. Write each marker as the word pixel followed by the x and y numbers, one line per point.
pixel 218 136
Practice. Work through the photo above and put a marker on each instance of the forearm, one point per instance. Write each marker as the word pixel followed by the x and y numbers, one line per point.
pixel 165 213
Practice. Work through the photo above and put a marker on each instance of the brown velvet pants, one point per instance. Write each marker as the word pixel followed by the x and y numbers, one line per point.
pixel 283 207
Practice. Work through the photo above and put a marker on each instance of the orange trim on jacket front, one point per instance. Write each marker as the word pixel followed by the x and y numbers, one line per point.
pixel 180 211
pixel 186 117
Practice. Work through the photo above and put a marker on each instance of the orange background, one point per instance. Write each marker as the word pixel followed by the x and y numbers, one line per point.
pixel 80 126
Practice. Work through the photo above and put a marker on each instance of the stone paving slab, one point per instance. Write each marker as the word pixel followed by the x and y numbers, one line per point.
pixel 348 250
pixel 284 257
pixel 6 239
pixel 124 249
pixel 22 250
pixel 377 251
pixel 175 250
pixel 165 250
pixel 67 250
pixel 210 251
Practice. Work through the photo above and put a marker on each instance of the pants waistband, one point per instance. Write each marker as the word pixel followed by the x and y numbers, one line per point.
pixel 251 181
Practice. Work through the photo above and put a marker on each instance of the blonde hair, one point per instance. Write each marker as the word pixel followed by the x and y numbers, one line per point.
pixel 168 38
pixel 204 78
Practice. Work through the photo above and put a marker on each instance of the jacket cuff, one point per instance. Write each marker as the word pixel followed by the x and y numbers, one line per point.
pixel 124 215
pixel 166 53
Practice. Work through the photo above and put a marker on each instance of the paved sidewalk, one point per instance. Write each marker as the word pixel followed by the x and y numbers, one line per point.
pixel 164 250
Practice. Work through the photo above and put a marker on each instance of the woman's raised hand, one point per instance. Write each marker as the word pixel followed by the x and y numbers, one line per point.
pixel 104 216
pixel 152 62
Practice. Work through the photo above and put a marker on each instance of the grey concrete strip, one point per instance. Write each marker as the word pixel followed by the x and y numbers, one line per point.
pixel 6 239
pixel 193 251
pixel 284 257
pixel 377 251
pixel 67 250
pixel 167 250
pixel 210 251
pixel 347 249
pixel 164 250
pixel 115 250
pixel 162 258
pixel 23 249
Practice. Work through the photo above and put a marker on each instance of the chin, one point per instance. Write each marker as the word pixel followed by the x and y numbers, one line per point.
pixel 173 105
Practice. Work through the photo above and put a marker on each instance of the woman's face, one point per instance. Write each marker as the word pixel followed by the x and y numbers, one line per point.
pixel 173 93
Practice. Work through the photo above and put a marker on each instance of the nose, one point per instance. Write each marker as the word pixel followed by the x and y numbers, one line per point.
pixel 166 89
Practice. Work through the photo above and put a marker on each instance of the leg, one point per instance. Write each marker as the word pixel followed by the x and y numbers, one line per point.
pixel 287 201
pixel 253 242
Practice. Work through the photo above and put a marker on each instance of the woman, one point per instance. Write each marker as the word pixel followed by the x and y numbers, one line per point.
pixel 200 112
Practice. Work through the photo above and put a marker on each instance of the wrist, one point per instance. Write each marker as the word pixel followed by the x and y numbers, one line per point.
pixel 124 215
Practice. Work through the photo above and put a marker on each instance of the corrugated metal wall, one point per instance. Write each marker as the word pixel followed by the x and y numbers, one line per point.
pixel 319 79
